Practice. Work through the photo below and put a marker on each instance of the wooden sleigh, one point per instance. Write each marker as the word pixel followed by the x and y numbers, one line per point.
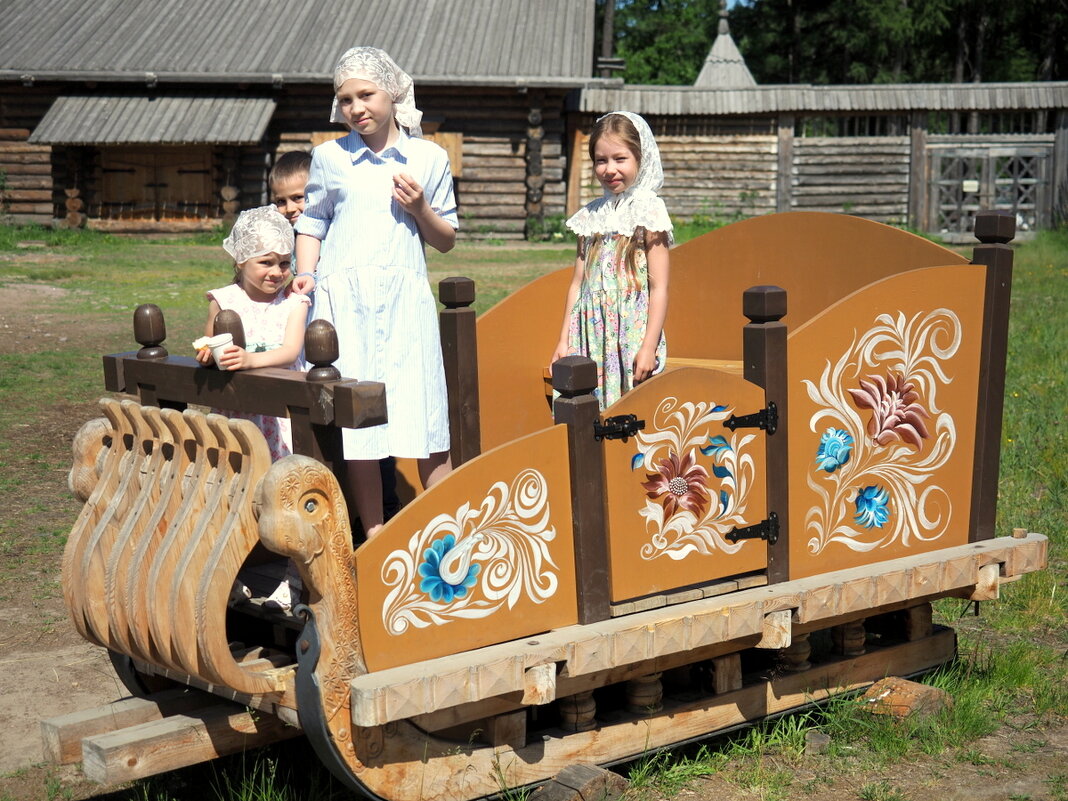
pixel 764 524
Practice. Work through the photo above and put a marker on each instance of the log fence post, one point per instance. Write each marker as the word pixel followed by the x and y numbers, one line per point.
pixel 575 378
pixel 764 357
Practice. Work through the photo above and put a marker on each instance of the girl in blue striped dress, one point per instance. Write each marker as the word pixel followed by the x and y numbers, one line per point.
pixel 373 198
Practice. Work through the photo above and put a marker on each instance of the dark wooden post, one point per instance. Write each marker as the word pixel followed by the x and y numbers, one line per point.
pixel 459 349
pixel 764 354
pixel 994 229
pixel 575 378
pixel 322 442
pixel 535 177
pixel 149 331
pixel 228 321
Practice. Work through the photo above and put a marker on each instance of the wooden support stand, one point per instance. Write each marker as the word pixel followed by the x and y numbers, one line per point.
pixel 138 737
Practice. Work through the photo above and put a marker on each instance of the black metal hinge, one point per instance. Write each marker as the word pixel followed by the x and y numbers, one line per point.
pixel 619 427
pixel 766 419
pixel 764 530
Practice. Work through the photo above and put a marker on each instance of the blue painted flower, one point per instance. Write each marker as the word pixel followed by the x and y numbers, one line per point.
pixel 433 584
pixel 873 508
pixel 835 448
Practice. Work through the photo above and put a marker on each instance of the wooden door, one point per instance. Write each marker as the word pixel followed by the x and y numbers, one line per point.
pixel 162 183
pixel 678 488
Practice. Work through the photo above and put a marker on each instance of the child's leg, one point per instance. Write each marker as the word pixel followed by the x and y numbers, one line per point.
pixel 365 487
pixel 434 468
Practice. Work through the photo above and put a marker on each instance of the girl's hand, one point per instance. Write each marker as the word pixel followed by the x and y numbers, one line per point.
pixel 302 284
pixel 644 364
pixel 561 351
pixel 408 192
pixel 234 358
pixel 204 356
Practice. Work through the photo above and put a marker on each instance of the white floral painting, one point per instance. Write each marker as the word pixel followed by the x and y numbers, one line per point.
pixel 471 564
pixel 884 436
pixel 691 507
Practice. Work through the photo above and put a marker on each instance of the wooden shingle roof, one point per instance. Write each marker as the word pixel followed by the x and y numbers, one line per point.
pixel 803 98
pixel 547 42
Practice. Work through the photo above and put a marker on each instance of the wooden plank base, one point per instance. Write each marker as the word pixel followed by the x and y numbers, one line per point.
pixel 177 742
pixel 407 761
pixel 62 736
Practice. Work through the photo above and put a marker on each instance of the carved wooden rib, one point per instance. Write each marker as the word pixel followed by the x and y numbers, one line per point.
pixel 130 428
pixel 186 496
pixel 236 539
pixel 156 440
pixel 207 487
pixel 99 505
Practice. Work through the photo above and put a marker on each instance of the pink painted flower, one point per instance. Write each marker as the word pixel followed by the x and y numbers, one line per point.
pixel 896 411
pixel 679 484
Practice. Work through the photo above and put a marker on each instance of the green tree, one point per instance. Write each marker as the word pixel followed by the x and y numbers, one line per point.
pixel 849 41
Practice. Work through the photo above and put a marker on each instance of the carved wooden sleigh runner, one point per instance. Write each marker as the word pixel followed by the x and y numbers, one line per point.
pixel 762 525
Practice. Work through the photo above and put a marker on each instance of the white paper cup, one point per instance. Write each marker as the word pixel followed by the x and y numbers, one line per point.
pixel 218 344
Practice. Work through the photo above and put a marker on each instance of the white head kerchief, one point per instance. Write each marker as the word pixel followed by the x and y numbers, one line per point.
pixel 259 231
pixel 637 207
pixel 374 65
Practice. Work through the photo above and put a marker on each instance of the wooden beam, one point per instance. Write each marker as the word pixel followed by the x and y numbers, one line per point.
pixel 618 648
pixel 62 736
pixel 177 741
pixel 917 208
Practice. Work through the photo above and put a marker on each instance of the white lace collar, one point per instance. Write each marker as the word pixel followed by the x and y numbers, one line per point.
pixel 639 206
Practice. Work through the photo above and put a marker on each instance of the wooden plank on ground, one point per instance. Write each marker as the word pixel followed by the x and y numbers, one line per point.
pixel 62 736
pixel 177 742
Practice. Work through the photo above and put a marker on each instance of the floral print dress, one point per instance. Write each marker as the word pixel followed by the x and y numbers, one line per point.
pixel 265 328
pixel 609 317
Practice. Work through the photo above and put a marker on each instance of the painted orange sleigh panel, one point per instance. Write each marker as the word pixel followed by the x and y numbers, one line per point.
pixel 883 394
pixel 485 556
pixel 680 485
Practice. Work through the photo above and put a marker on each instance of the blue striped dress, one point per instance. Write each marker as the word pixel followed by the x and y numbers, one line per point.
pixel 372 284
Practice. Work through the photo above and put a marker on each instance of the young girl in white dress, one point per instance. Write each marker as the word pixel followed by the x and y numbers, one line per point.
pixel 373 198
pixel 617 300
pixel 260 243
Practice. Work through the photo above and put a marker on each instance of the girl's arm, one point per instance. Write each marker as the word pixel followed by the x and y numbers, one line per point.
pixel 204 354
pixel 307 257
pixel 656 253
pixel 292 343
pixel 569 303
pixel 435 230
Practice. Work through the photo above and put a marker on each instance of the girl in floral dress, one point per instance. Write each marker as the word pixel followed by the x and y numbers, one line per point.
pixel 617 300
pixel 261 242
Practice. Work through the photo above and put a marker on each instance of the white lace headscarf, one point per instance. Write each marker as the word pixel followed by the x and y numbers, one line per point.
pixel 639 206
pixel 259 231
pixel 374 65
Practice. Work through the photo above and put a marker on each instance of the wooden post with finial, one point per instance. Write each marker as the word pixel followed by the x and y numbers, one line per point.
pixel 322 442
pixel 994 230
pixel 764 357
pixel 150 331
pixel 575 378
pixel 459 350
pixel 229 322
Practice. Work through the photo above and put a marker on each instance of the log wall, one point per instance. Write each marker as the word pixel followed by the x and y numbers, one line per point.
pixel 25 169
pixel 867 176
pixel 494 127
